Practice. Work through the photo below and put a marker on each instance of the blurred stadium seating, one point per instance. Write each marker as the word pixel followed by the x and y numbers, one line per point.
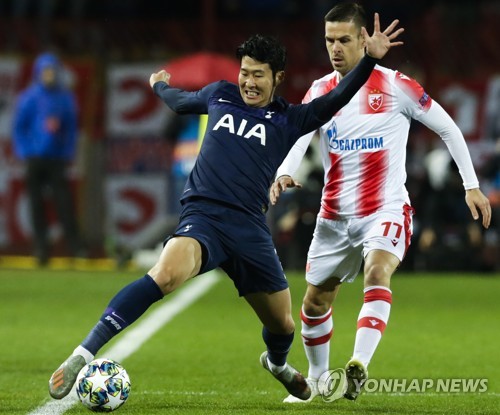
pixel 450 46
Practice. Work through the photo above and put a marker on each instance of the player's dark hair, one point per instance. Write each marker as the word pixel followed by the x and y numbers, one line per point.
pixel 348 12
pixel 265 49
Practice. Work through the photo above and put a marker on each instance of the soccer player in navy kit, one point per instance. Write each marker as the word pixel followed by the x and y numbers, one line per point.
pixel 223 222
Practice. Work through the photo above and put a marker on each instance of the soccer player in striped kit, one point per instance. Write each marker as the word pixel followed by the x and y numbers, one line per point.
pixel 365 209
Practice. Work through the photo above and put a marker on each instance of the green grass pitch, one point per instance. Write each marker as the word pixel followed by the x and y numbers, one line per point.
pixel 206 360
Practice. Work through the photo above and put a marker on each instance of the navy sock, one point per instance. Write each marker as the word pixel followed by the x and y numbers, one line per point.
pixel 97 337
pixel 126 307
pixel 278 346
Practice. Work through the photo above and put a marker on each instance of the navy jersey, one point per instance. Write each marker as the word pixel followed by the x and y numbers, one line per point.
pixel 243 146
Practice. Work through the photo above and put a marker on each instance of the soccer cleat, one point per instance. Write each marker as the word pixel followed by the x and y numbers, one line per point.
pixel 291 379
pixel 63 379
pixel 313 384
pixel 356 375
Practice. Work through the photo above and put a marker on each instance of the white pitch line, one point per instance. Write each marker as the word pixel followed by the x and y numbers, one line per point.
pixel 136 336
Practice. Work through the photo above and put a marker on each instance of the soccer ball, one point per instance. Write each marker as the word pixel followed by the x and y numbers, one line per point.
pixel 103 385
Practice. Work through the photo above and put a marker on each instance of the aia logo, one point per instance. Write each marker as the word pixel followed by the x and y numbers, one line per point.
pixel 375 99
pixel 243 128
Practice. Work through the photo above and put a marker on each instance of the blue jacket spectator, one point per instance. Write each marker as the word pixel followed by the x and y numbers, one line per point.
pixel 45 134
pixel 45 123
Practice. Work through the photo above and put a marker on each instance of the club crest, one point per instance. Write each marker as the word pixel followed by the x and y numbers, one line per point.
pixel 375 99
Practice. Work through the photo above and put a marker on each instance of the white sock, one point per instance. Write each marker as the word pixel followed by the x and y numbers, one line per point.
pixel 316 333
pixel 372 321
pixel 83 352
pixel 275 369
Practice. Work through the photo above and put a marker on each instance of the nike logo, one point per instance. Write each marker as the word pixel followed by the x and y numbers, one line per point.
pixel 224 100
pixel 117 316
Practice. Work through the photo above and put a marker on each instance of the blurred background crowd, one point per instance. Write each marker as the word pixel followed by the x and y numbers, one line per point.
pixel 132 154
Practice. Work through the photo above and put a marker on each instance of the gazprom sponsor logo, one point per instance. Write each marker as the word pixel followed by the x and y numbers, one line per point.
pixel 332 131
pixel 354 144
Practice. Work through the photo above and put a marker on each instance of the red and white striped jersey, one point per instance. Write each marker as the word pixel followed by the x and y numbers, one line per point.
pixel 363 146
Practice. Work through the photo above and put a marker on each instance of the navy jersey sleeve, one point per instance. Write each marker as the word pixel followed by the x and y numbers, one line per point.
pixel 326 105
pixel 185 102
pixel 313 115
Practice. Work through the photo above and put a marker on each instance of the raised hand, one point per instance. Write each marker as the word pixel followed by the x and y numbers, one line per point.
pixel 378 44
pixel 159 76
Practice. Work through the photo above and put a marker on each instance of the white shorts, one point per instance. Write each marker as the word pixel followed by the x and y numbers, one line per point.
pixel 339 246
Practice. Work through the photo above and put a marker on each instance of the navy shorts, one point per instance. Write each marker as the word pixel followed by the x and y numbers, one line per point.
pixel 236 241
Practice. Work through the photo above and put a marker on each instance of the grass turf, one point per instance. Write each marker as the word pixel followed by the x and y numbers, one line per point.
pixel 205 361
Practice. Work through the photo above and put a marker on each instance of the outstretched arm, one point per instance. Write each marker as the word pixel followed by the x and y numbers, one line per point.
pixel 289 166
pixel 180 101
pixel 439 121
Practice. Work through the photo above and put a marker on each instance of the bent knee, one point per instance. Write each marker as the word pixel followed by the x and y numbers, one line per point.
pixel 378 274
pixel 283 326
pixel 313 307
pixel 168 278
pixel 289 326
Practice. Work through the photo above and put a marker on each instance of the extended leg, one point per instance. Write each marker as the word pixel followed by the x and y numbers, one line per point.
pixel 317 330
pixel 373 317
pixel 274 310
pixel 179 261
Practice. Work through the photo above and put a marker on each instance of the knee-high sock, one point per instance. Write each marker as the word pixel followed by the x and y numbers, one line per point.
pixel 125 308
pixel 278 346
pixel 372 321
pixel 316 334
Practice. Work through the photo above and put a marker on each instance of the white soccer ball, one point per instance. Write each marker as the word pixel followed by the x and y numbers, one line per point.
pixel 103 385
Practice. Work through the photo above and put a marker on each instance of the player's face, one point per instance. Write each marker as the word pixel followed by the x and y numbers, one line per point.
pixel 256 81
pixel 345 45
